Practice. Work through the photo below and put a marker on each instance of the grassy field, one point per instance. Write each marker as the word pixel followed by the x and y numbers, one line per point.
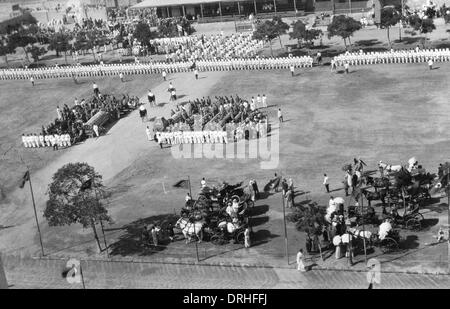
pixel 24 109
pixel 388 113
pixel 382 112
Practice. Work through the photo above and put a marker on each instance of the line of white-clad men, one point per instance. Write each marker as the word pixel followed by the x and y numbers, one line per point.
pixel 393 56
pixel 38 141
pixel 156 67
pixel 192 137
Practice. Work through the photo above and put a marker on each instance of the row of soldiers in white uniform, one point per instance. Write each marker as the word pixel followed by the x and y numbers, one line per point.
pixel 53 140
pixel 192 137
pixel 393 56
pixel 240 45
pixel 158 67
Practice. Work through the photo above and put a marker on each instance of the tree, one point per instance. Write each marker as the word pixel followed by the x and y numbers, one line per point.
pixel 143 34
pixel 75 196
pixel 5 49
pixel 301 34
pixel 59 42
pixel 281 26
pixel 36 52
pixel 21 39
pixel 172 28
pixel 266 31
pixel 309 219
pixel 423 25
pixel 344 27
pixel 389 18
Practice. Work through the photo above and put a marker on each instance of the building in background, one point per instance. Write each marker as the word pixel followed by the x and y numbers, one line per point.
pixel 214 8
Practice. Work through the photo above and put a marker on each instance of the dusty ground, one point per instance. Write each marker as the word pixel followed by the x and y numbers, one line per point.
pixel 387 113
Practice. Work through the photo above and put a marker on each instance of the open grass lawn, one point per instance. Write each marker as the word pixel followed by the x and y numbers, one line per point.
pixel 388 113
pixel 24 109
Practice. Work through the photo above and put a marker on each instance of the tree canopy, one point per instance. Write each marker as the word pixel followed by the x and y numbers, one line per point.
pixel 389 17
pixel 424 25
pixel 75 196
pixel 309 219
pixel 301 34
pixel 59 42
pixel 344 27
pixel 143 34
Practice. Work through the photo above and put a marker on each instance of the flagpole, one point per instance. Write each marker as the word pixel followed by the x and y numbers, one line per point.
pixel 190 189
pixel 3 281
pixel 35 212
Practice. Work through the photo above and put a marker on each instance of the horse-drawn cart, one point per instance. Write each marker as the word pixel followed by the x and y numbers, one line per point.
pixel 219 215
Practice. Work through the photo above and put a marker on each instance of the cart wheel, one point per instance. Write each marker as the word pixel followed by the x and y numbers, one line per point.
pixel 413 224
pixel 240 238
pixel 388 245
pixel 217 240
pixel 419 217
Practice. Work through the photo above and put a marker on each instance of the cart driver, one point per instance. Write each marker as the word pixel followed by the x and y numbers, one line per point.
pixel 384 229
pixel 229 209
pixel 235 205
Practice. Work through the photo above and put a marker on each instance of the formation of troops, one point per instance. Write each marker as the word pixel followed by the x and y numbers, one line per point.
pixel 192 48
pixel 192 137
pixel 53 140
pixel 156 68
pixel 393 56
pixel 222 119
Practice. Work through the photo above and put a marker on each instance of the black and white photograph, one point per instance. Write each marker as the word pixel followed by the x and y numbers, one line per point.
pixel 224 149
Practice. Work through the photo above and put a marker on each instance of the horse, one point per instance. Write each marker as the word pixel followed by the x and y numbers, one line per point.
pixel 190 229
pixel 389 168
pixel 377 195
pixel 377 183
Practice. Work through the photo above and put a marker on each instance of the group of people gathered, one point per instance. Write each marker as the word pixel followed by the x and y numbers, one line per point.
pixel 69 127
pixel 393 56
pixel 214 120
pixel 196 47
pixel 191 137
pixel 120 69
pixel 55 141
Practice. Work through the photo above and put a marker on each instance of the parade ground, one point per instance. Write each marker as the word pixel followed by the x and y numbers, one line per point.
pixel 381 112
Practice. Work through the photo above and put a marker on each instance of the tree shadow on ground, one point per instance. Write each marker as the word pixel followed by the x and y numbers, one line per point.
pixel 264 195
pixel 132 242
pixel 302 203
pixel 375 49
pixel 258 221
pixel 431 202
pixel 368 43
pixel 410 40
pixel 261 237
pixel 428 223
pixel 439 208
pixel 331 53
pixel 300 193
pixel 319 47
pixel 49 57
pixel 410 242
pixel 259 210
